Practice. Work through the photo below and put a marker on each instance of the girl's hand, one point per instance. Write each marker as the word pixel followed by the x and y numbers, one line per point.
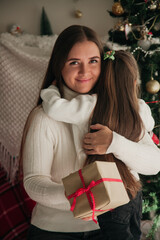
pixel 99 141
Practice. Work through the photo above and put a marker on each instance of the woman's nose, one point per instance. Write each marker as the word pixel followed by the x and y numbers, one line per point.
pixel 83 68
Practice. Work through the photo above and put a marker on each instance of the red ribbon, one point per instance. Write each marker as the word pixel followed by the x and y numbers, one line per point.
pixel 89 194
pixel 155 139
pixel 153 101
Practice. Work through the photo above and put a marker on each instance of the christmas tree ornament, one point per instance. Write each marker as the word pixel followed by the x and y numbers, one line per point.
pixel 15 30
pixel 137 49
pixel 128 29
pixel 138 28
pixel 78 14
pixel 144 44
pixel 152 86
pixel 143 32
pixel 122 28
pixel 153 5
pixel 149 35
pixel 157 26
pixel 156 73
pixel 119 26
pixel 117 9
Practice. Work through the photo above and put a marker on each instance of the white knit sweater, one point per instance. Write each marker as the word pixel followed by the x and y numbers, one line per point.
pixel 50 153
pixel 77 111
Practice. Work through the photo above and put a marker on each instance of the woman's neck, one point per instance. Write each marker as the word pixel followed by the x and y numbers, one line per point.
pixel 68 93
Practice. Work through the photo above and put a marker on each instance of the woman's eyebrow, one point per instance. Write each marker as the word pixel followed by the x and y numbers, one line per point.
pixel 94 57
pixel 76 59
pixel 73 59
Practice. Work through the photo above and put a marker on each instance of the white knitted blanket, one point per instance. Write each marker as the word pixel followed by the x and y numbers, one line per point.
pixel 23 62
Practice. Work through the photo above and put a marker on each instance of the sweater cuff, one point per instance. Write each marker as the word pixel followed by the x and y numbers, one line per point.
pixel 111 146
pixel 116 144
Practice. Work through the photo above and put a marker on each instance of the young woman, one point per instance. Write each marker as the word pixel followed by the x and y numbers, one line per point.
pixel 48 147
pixel 119 108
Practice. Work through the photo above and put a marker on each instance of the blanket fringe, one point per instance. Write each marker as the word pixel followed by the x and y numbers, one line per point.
pixel 9 163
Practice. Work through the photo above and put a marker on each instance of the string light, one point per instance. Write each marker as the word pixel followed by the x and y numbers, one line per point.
pixel 146 52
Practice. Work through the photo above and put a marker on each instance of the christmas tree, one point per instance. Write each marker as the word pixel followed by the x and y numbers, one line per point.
pixel 45 27
pixel 138 30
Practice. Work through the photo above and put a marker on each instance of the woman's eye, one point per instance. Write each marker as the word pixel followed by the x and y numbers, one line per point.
pixel 74 63
pixel 93 61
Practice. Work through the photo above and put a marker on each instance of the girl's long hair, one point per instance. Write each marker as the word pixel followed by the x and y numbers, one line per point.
pixel 117 108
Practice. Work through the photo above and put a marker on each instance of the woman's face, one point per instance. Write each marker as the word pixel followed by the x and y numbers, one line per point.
pixel 82 67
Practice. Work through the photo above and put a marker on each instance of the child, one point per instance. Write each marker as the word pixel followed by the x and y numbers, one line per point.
pixel 116 106
pixel 69 111
pixel 78 111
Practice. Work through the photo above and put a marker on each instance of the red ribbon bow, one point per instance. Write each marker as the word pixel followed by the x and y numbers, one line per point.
pixel 89 194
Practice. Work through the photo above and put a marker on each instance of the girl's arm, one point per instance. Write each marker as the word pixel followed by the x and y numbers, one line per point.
pixel 75 111
pixel 146 116
pixel 142 157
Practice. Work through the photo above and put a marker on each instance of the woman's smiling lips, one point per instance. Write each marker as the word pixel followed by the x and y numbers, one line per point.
pixel 83 80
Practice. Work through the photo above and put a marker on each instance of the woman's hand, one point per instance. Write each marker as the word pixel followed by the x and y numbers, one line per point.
pixel 99 141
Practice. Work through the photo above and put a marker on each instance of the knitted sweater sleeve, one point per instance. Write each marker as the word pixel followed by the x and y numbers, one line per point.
pixel 37 163
pixel 146 116
pixel 142 157
pixel 76 111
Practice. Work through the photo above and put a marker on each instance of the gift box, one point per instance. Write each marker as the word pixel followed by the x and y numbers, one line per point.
pixel 95 189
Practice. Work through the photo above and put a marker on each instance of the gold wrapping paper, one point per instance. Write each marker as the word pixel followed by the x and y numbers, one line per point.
pixel 107 194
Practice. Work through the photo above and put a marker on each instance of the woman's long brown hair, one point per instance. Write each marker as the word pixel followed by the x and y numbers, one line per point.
pixel 117 107
pixel 64 43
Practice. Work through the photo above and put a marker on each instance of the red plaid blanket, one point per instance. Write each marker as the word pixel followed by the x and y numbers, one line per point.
pixel 15 209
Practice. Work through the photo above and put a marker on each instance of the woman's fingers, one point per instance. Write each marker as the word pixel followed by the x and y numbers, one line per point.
pixel 87 140
pixel 97 126
pixel 90 152
pixel 99 141
pixel 88 146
